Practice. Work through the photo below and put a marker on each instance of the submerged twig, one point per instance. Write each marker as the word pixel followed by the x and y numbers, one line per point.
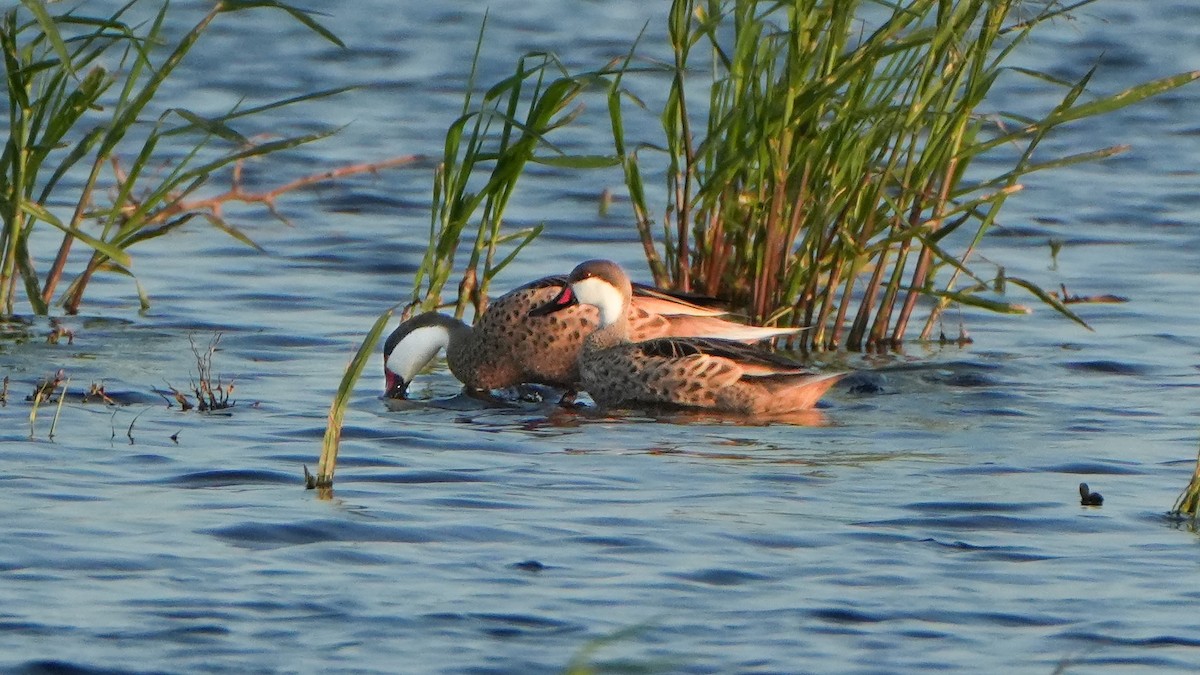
pixel 97 390
pixel 184 404
pixel 129 432
pixel 55 336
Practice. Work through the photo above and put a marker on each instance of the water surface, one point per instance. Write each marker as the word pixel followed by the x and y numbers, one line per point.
pixel 930 519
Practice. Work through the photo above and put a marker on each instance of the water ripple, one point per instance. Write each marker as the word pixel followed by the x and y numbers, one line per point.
pixel 721 577
pixel 1095 468
pixel 844 615
pixel 57 667
pixel 1125 641
pixel 1107 367
pixel 419 477
pixel 228 477
pixel 506 625
pixel 974 507
pixel 998 553
pixel 992 523
pixel 276 535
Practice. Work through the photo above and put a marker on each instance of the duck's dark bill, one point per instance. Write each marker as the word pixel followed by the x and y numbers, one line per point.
pixel 394 386
pixel 564 300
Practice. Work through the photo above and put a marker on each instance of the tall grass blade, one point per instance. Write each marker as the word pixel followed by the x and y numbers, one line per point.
pixel 337 409
pixel 58 409
pixel 1127 97
pixel 301 15
pixel 38 9
pixel 103 247
pixel 1188 502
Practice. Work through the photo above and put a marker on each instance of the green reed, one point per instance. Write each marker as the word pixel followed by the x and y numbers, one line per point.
pixel 832 160
pixel 1188 503
pixel 486 151
pixel 84 130
pixel 327 463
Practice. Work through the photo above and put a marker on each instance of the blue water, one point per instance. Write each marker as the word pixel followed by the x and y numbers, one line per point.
pixel 928 520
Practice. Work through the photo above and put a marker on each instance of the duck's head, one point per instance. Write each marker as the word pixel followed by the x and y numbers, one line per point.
pixel 410 348
pixel 599 283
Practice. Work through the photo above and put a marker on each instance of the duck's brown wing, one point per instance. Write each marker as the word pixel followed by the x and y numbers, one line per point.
pixel 662 301
pixel 554 281
pixel 754 361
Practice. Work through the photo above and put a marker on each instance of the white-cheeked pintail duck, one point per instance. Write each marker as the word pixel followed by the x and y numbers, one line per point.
pixel 724 376
pixel 507 347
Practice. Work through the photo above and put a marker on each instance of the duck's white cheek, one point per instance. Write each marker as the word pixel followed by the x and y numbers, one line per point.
pixel 415 350
pixel 602 295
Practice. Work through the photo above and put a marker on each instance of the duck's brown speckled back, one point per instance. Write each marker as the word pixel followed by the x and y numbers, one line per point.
pixel 510 347
pixel 718 375
pixel 694 373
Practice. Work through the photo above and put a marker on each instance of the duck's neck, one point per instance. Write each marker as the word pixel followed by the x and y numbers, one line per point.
pixel 460 345
pixel 614 326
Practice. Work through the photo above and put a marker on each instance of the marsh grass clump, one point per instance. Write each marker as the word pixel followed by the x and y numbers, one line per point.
pixel 822 160
pixel 93 153
pixel 830 178
pixel 210 392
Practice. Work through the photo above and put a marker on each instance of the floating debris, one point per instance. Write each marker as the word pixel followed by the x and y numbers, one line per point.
pixel 1071 299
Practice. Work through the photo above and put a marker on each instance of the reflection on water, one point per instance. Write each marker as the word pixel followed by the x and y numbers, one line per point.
pixel 926 518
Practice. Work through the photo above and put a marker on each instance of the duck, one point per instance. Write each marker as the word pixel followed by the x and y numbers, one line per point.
pixel 507 347
pixel 723 376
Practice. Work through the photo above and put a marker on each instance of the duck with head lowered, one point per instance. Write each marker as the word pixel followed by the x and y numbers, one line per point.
pixel 508 347
pixel 616 368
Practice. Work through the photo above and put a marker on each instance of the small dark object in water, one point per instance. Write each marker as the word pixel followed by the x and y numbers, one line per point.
pixel 1089 498
pixel 528 566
